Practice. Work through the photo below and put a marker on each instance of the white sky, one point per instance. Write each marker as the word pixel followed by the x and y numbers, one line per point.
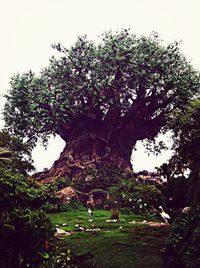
pixel 29 27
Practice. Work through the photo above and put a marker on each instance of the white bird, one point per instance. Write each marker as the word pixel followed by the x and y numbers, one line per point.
pixel 90 212
pixel 164 215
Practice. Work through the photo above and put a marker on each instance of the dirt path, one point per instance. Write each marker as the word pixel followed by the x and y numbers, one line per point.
pixel 151 223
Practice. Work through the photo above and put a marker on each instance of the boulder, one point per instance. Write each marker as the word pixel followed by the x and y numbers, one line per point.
pixel 60 233
pixel 66 194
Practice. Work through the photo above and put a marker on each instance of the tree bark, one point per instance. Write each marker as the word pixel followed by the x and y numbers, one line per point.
pixel 93 139
pixel 89 149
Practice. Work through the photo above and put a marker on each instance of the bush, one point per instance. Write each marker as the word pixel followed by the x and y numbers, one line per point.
pixel 60 183
pixel 183 243
pixel 175 188
pixel 23 235
pixel 137 198
pixel 149 196
pixel 18 191
pixel 115 214
pixel 103 178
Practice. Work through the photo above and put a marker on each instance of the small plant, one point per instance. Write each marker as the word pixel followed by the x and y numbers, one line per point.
pixel 115 214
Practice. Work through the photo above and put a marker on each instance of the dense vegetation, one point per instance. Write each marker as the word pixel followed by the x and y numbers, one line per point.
pixel 183 243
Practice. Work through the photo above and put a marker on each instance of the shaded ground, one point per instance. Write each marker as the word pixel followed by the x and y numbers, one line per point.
pixel 117 244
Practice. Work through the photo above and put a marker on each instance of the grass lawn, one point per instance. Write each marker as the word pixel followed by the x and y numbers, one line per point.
pixel 118 244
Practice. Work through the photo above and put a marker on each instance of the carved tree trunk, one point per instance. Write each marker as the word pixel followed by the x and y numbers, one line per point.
pixel 89 149
pixel 93 139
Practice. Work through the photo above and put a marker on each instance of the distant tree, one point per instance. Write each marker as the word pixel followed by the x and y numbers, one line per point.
pixel 186 128
pixel 18 154
pixel 101 98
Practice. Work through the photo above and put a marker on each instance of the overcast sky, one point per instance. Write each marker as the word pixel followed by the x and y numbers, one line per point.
pixel 29 27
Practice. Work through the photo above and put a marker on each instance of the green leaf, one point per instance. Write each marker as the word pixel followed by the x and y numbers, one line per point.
pixel 8 229
pixel 44 254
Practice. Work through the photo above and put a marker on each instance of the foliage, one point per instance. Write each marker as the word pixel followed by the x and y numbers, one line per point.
pixel 174 189
pixel 61 257
pixel 23 235
pixel 186 128
pixel 59 207
pixel 175 183
pixel 183 242
pixel 136 197
pixel 186 135
pixel 23 232
pixel 60 183
pixel 151 196
pixel 5 156
pixel 51 201
pixel 102 178
pixel 21 152
pixel 115 214
pixel 18 191
pixel 121 188
pixel 102 86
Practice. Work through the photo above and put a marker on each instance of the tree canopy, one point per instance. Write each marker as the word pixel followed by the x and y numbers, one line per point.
pixel 124 79
pixel 186 133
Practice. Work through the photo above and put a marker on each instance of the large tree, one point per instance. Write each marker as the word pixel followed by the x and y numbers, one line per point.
pixel 101 98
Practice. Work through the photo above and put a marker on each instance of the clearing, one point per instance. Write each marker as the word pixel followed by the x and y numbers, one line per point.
pixel 116 244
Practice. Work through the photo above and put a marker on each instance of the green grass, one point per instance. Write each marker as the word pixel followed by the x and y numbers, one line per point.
pixel 134 246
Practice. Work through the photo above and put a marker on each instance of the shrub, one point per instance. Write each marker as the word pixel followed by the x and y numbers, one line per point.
pixel 23 235
pixel 183 243
pixel 21 152
pixel 60 183
pixel 115 214
pixel 151 196
pixel 175 188
pixel 18 191
pixel 138 198
pixel 102 178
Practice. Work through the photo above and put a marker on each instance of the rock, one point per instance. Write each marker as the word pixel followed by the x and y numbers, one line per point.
pixel 60 233
pixel 66 194
pixel 93 230
pixel 186 210
pixel 64 224
pixel 132 222
pixel 120 227
pixel 115 220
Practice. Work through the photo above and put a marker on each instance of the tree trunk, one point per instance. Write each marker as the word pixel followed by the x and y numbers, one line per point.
pixel 89 149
